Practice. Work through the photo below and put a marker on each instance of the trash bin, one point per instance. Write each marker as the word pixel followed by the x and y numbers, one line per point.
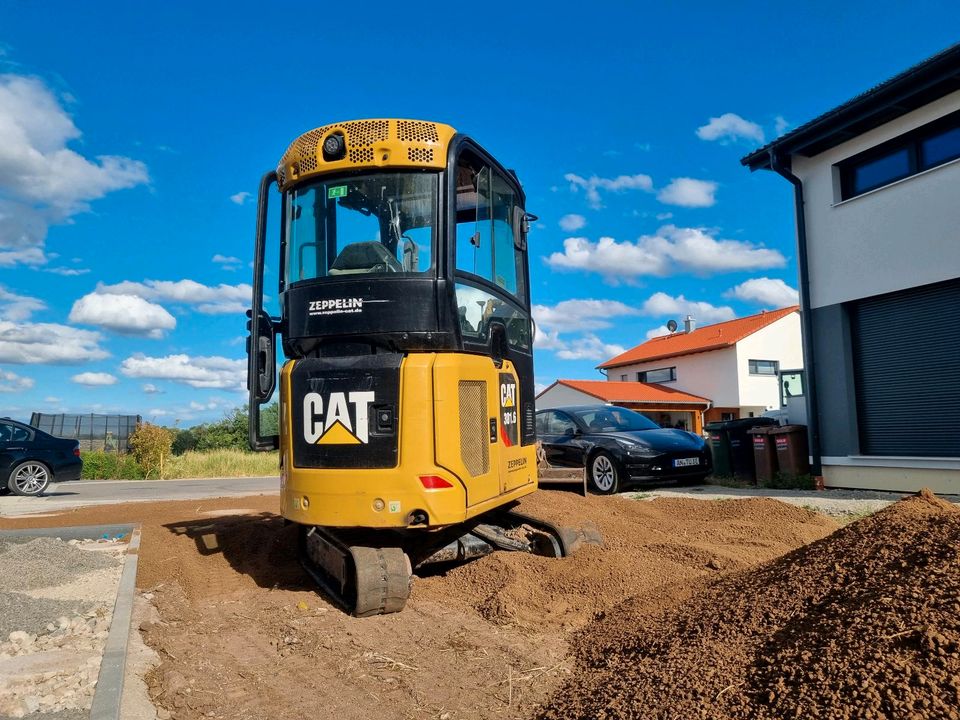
pixel 764 453
pixel 719 449
pixel 793 457
pixel 741 445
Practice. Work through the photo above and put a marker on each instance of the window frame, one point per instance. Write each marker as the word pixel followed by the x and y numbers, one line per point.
pixel 288 247
pixel 911 141
pixel 752 366
pixel 642 375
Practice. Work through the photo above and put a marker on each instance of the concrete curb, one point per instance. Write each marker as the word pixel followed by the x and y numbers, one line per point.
pixel 106 697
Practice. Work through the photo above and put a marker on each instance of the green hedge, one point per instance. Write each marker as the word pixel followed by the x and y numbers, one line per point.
pixel 110 466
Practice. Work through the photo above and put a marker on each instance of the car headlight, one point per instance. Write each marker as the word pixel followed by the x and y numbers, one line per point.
pixel 637 449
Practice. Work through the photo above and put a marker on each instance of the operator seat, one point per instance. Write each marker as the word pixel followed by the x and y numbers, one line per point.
pixel 365 257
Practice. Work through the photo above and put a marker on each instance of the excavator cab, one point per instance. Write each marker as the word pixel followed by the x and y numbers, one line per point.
pixel 406 400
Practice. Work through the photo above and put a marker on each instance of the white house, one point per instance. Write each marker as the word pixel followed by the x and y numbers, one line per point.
pixel 717 372
pixel 877 191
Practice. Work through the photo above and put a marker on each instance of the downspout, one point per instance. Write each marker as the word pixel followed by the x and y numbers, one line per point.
pixel 806 317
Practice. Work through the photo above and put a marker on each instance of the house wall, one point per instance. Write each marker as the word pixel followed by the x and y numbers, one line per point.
pixel 896 237
pixel 710 375
pixel 893 238
pixel 723 376
pixel 560 395
pixel 780 341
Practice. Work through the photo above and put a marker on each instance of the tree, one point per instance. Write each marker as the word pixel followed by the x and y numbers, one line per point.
pixel 151 445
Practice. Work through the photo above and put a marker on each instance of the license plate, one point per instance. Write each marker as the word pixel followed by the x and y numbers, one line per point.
pixel 686 462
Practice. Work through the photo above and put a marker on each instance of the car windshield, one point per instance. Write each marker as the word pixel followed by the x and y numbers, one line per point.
pixel 613 419
pixel 363 224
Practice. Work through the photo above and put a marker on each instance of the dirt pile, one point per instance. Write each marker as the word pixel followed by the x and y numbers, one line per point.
pixel 645 545
pixel 862 624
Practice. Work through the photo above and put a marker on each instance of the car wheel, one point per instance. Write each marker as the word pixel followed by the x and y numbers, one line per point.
pixel 29 479
pixel 603 473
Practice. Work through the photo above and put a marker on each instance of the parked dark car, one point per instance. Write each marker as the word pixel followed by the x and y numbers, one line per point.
pixel 30 459
pixel 619 446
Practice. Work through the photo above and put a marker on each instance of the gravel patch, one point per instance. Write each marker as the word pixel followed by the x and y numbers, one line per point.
pixel 44 562
pixel 840 504
pixel 62 715
pixel 32 615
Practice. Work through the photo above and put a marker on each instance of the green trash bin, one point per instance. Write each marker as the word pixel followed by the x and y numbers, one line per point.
pixel 719 449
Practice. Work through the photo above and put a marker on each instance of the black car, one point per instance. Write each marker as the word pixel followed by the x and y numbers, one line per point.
pixel 618 446
pixel 30 459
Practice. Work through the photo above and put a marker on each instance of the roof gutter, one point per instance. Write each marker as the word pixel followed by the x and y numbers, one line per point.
pixel 806 316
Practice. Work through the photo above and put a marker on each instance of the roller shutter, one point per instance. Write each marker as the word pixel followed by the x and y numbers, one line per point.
pixel 906 348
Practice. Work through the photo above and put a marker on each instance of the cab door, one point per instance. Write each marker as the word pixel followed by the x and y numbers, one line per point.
pixel 488 253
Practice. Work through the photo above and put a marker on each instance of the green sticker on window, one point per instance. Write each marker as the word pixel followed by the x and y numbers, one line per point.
pixel 337 191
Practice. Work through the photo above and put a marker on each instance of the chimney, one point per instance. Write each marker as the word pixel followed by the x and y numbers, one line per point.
pixel 689 325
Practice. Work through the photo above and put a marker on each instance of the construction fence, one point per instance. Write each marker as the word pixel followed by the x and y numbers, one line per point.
pixel 106 433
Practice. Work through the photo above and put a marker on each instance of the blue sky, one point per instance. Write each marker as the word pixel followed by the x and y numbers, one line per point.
pixel 129 135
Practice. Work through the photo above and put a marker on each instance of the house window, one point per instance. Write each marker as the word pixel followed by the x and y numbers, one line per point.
pixel 727 416
pixel 922 149
pixel 660 375
pixel 763 367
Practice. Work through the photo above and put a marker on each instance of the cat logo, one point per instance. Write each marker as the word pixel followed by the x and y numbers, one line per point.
pixel 332 422
pixel 508 410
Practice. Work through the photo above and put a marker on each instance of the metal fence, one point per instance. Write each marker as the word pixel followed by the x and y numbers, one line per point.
pixel 108 433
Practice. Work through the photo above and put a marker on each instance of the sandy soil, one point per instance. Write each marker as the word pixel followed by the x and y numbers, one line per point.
pixel 243 634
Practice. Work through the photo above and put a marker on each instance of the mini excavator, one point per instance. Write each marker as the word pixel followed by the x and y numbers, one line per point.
pixel 406 402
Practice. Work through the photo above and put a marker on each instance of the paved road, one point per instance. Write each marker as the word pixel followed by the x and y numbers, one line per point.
pixel 68 495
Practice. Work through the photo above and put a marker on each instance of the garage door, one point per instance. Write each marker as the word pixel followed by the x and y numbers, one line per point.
pixel 907 358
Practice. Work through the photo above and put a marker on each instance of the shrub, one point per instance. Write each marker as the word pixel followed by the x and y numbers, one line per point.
pixel 151 446
pixel 99 465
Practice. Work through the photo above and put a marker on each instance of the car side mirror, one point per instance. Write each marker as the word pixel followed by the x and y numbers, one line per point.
pixel 571 432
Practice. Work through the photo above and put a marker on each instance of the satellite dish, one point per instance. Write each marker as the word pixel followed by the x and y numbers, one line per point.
pixel 672 325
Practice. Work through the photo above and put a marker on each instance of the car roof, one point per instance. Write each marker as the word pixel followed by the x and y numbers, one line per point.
pixel 581 408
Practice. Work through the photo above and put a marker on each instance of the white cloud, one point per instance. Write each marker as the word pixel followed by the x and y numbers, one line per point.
pixel 770 292
pixel 204 298
pixel 18 307
pixel 730 127
pixel 67 272
pixel 48 343
pixel 658 332
pixel 781 124
pixel 11 382
pixel 572 222
pixel 227 262
pixel 594 184
pixel 51 399
pixel 42 181
pixel 660 305
pixel 198 371
pixel 689 192
pixel 95 379
pixel 672 249
pixel 664 215
pixel 124 314
pixel 151 389
pixel 578 315
pixel 589 347
pixel 240 198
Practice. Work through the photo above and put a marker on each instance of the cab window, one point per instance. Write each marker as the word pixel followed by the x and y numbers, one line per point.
pixel 487 232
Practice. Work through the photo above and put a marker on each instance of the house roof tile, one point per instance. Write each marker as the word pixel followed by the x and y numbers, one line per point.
pixel 708 337
pixel 632 392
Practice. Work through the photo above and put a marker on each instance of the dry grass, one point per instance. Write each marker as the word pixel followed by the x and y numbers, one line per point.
pixel 221 463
